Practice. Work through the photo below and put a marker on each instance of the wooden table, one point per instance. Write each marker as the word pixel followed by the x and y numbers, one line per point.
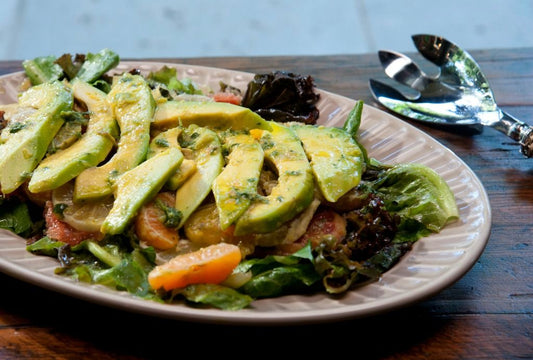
pixel 486 314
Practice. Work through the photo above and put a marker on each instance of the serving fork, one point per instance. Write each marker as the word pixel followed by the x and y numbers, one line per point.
pixel 459 94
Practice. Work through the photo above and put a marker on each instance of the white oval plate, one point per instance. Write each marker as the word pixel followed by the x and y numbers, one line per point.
pixel 434 263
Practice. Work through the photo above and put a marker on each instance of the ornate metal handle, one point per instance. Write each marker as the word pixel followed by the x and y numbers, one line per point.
pixel 526 140
pixel 517 130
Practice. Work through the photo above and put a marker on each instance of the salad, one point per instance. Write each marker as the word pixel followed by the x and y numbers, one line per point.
pixel 152 184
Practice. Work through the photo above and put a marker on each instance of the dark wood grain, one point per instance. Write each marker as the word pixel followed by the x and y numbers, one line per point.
pixel 487 314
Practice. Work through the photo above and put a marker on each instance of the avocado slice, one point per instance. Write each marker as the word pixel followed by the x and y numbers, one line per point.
pixel 236 186
pixel 168 139
pixel 215 115
pixel 70 132
pixel 207 151
pixel 336 159
pixel 24 143
pixel 137 186
pixel 133 106
pixel 93 147
pixel 294 191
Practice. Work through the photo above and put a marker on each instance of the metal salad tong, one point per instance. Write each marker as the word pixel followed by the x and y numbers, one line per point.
pixel 458 95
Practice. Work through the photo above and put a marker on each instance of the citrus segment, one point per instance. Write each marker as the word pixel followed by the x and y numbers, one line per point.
pixel 84 216
pixel 149 224
pixel 208 265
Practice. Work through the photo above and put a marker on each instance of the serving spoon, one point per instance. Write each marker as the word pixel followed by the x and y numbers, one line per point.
pixel 459 94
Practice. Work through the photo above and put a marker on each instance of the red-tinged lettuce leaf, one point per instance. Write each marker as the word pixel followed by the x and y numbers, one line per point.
pixel 70 65
pixel 282 96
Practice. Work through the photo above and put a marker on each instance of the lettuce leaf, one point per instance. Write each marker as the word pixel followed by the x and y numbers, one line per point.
pixel 339 273
pixel 278 275
pixel 87 67
pixel 42 69
pixel 420 197
pixel 127 275
pixel 45 246
pixel 283 96
pixel 219 296
pixel 15 217
pixel 115 262
pixel 168 77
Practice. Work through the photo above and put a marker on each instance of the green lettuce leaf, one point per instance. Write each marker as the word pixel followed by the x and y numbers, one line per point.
pixel 127 275
pixel 278 275
pixel 421 198
pixel 45 246
pixel 115 262
pixel 15 217
pixel 168 77
pixel 219 296
pixel 97 64
pixel 42 69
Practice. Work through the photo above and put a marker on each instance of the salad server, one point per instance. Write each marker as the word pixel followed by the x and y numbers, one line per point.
pixel 458 95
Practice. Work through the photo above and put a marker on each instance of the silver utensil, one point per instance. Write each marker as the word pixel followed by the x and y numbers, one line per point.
pixel 458 95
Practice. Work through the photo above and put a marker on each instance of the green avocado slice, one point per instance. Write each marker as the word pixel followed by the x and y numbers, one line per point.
pixel 236 186
pixel 336 160
pixel 92 148
pixel 137 186
pixel 215 115
pixel 133 107
pixel 168 139
pixel 294 191
pixel 207 152
pixel 23 144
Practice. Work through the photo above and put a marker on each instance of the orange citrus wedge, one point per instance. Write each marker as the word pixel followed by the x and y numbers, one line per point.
pixel 149 225
pixel 209 265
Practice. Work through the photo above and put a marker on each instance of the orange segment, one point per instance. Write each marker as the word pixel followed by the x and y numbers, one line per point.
pixel 208 265
pixel 149 225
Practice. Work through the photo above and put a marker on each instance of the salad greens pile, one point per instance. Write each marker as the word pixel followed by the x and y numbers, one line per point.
pixel 398 205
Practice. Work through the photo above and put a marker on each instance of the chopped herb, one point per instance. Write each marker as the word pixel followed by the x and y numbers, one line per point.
pixel 267 144
pixel 293 172
pixel 172 215
pixel 81 117
pixel 16 127
pixel 161 142
pixel 59 209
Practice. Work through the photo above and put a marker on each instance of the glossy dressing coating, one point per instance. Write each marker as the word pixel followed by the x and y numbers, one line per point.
pixel 133 106
pixel 24 143
pixel 92 148
pixel 335 158
pixel 294 191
